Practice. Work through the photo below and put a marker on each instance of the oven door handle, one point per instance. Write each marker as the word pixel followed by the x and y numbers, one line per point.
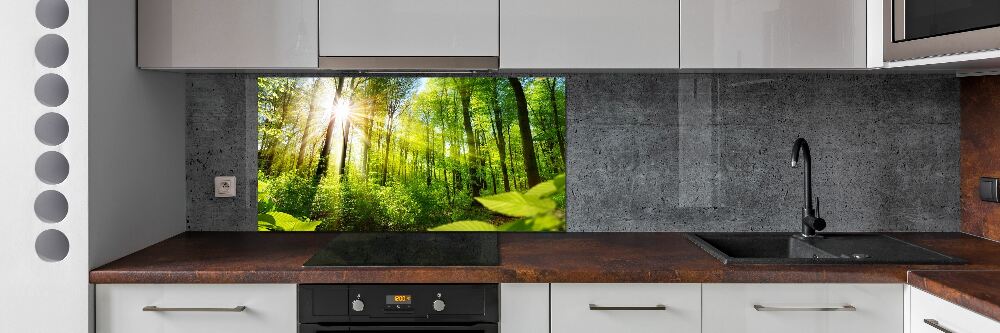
pixel 484 328
pixel 401 327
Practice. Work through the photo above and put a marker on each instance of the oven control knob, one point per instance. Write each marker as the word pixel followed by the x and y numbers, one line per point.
pixel 358 305
pixel 438 305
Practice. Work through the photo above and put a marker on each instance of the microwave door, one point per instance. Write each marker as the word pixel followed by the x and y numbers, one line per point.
pixel 916 19
pixel 916 29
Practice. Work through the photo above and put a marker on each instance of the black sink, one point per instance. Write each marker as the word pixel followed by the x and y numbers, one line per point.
pixel 837 248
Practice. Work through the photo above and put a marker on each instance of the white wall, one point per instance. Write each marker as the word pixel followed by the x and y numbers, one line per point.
pixel 38 295
pixel 137 185
pixel 125 150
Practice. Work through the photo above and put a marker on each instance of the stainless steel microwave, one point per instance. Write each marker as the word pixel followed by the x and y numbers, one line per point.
pixel 916 29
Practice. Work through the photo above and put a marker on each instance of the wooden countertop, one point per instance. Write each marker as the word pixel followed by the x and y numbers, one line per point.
pixel 978 291
pixel 259 257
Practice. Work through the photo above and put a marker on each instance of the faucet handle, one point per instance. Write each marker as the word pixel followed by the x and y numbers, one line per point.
pixel 817 206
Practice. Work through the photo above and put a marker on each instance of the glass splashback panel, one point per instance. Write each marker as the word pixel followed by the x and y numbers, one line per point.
pixel 378 154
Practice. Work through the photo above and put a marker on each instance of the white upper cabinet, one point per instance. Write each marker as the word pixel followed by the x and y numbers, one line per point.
pixel 227 34
pixel 589 34
pixel 780 34
pixel 409 28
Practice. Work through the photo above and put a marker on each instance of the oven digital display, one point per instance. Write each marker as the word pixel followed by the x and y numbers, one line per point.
pixel 398 299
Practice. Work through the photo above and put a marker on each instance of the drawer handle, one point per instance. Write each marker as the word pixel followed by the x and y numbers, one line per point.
pixel 759 307
pixel 596 307
pixel 935 324
pixel 159 309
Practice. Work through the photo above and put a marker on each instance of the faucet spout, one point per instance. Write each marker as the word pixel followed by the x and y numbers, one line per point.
pixel 810 222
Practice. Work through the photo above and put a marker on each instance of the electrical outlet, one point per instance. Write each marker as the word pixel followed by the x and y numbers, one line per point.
pixel 988 189
pixel 225 186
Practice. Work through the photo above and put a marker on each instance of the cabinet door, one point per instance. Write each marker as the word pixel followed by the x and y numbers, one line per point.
pixel 927 310
pixel 227 34
pixel 633 308
pixel 589 34
pixel 195 308
pixel 524 308
pixel 773 34
pixel 803 308
pixel 409 28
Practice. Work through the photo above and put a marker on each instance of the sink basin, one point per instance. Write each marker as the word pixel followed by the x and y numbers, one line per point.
pixel 787 248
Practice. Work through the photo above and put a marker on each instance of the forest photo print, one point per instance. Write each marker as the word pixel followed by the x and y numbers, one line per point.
pixel 377 154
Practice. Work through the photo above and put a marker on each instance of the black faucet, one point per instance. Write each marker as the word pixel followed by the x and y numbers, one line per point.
pixel 810 221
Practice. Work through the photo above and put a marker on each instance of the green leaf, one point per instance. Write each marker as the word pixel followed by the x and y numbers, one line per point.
pixel 548 222
pixel 468 225
pixel 286 222
pixel 516 204
pixel 305 226
pixel 265 226
pixel 519 225
pixel 542 190
pixel 545 222
pixel 264 206
pixel 560 181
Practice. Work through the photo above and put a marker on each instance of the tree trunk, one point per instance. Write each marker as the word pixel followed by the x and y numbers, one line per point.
pixel 465 93
pixel 498 127
pixel 551 84
pixel 342 167
pixel 324 154
pixel 429 155
pixel 308 126
pixel 527 146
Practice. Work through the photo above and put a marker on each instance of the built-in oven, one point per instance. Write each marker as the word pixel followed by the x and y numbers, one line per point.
pixel 374 308
pixel 916 29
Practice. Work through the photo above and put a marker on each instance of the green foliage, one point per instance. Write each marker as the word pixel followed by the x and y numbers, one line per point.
pixel 409 154
pixel 291 193
pixel 515 204
pixel 466 226
pixel 278 221
pixel 536 207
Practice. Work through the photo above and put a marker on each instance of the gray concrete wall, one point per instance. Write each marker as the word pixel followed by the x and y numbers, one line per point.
pixel 221 141
pixel 685 152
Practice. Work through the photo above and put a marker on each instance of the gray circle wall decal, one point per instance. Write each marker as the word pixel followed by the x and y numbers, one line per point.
pixel 51 51
pixel 52 13
pixel 51 90
pixel 52 245
pixel 51 206
pixel 51 129
pixel 52 167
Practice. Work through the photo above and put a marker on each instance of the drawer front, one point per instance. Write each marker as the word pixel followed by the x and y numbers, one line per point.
pixel 269 308
pixel 778 308
pixel 946 315
pixel 634 308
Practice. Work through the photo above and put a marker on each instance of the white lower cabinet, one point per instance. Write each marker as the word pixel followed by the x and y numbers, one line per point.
pixel 634 308
pixel 802 308
pixel 930 314
pixel 189 308
pixel 524 308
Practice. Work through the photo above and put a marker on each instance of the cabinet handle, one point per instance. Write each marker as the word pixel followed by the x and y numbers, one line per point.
pixel 159 309
pixel 596 307
pixel 935 324
pixel 759 307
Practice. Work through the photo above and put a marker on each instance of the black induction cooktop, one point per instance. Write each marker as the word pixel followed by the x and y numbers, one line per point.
pixel 409 249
